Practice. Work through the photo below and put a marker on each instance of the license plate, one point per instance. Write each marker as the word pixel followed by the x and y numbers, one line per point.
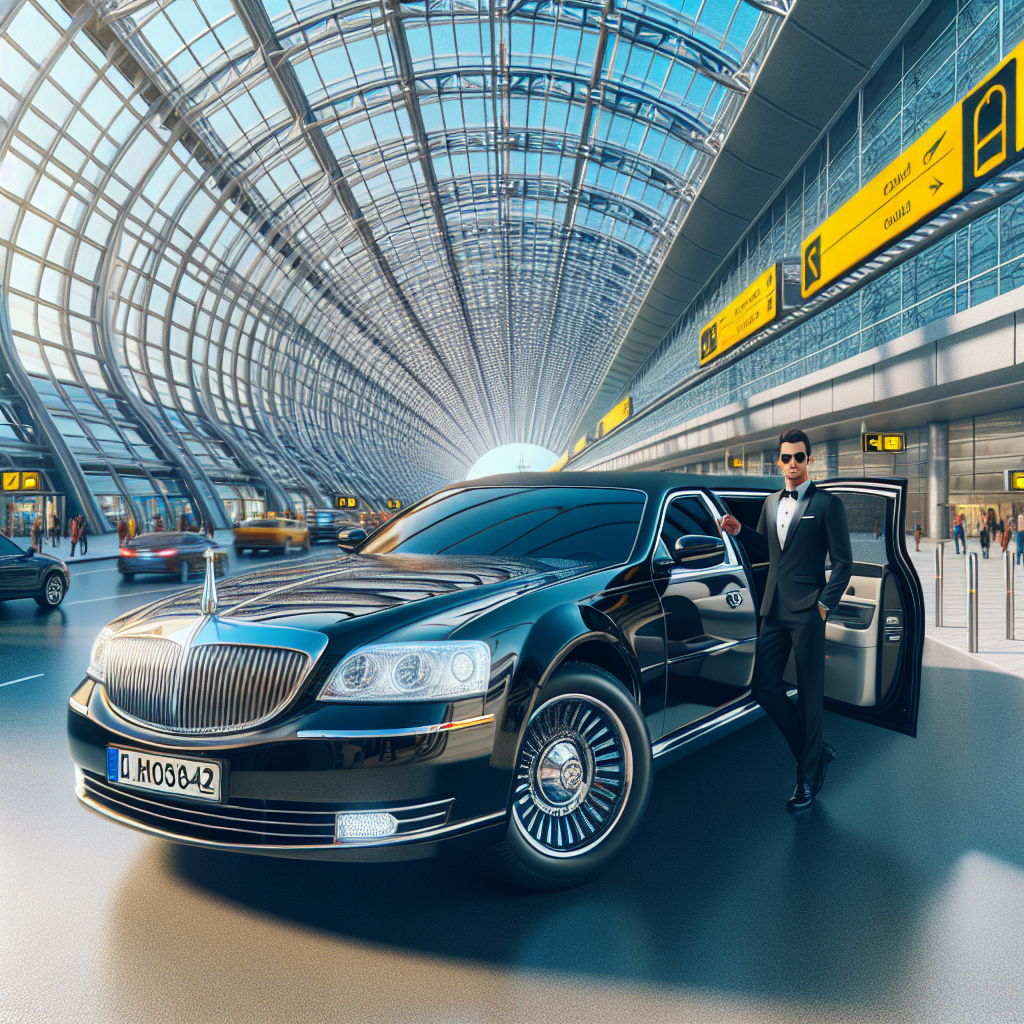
pixel 162 773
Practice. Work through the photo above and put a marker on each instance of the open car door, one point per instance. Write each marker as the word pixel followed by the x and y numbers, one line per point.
pixel 875 639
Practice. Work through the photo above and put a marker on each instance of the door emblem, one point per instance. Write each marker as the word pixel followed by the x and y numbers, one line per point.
pixel 734 599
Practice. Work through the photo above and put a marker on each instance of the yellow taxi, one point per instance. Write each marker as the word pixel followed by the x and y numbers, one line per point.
pixel 272 533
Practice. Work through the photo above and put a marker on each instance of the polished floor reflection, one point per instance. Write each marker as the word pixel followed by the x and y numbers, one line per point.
pixel 900 896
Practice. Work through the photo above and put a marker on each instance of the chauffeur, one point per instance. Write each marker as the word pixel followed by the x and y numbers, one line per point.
pixel 798 525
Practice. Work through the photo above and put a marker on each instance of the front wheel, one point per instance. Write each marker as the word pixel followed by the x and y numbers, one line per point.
pixel 53 591
pixel 581 783
pixel 287 549
pixel 239 551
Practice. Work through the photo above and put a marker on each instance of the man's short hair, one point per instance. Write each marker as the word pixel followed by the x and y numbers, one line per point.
pixel 793 435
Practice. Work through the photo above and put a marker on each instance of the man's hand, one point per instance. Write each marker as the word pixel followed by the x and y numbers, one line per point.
pixel 730 524
pixel 824 612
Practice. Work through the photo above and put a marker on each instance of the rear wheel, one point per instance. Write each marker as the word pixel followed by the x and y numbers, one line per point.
pixel 184 572
pixel 580 786
pixel 53 591
pixel 239 551
pixel 308 544
pixel 128 577
pixel 287 549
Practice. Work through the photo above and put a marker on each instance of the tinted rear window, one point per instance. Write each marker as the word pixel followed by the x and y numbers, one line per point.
pixel 586 524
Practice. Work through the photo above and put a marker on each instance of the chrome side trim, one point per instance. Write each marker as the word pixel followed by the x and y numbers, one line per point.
pixel 427 835
pixel 78 707
pixel 694 735
pixel 717 649
pixel 367 734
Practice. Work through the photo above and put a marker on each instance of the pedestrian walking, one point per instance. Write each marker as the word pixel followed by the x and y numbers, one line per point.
pixel 1020 538
pixel 122 532
pixel 73 533
pixel 83 535
pixel 1007 533
pixel 54 530
pixel 37 533
pixel 958 534
pixel 985 540
pixel 917 536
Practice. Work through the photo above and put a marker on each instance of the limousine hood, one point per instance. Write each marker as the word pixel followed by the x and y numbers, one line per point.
pixel 320 592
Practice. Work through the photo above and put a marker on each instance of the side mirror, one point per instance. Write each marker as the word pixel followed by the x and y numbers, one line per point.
pixel 31 550
pixel 699 552
pixel 350 538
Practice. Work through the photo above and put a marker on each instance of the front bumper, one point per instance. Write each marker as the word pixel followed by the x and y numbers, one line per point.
pixel 283 786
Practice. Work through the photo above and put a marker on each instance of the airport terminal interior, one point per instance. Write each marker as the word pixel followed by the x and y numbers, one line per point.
pixel 273 273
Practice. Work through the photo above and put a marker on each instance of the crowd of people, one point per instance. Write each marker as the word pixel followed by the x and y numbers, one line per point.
pixel 992 530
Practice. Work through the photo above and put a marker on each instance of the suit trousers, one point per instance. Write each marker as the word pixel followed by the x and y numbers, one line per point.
pixel 800 723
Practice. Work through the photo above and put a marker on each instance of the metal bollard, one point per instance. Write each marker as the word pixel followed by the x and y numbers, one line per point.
pixel 939 551
pixel 972 603
pixel 1008 577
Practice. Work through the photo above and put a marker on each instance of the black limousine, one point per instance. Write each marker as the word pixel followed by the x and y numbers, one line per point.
pixel 501 666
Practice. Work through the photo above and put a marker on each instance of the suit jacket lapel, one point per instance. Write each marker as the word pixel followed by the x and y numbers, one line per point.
pixel 801 508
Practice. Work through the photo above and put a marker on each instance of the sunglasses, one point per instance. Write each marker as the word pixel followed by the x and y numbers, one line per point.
pixel 799 456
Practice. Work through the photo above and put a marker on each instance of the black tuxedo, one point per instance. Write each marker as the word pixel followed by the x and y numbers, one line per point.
pixel 791 618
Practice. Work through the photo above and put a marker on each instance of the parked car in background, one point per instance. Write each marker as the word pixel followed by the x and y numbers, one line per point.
pixel 169 554
pixel 325 523
pixel 504 665
pixel 271 534
pixel 29 573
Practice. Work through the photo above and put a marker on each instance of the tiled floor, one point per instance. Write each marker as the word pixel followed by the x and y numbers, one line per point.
pixel 993 647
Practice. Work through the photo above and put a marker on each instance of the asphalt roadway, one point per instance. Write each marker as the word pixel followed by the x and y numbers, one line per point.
pixel 898 897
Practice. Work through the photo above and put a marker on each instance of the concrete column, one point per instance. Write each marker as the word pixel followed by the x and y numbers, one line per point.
pixel 831 459
pixel 938 481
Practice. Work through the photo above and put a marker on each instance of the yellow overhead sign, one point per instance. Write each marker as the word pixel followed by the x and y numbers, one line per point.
pixel 28 481
pixel 559 464
pixel 883 442
pixel 618 414
pixel 1014 479
pixel 579 445
pixel 751 310
pixel 345 501
pixel 394 504
pixel 975 139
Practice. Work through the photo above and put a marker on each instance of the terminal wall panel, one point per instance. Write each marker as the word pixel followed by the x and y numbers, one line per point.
pixel 904 375
pixel 976 351
pixel 816 401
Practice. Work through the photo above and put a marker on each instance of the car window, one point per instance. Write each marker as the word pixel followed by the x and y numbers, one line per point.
pixel 8 547
pixel 589 524
pixel 687 516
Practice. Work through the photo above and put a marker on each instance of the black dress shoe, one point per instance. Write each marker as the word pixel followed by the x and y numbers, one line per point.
pixel 827 756
pixel 801 798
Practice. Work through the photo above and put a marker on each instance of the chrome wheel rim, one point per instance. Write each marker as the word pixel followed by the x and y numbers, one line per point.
pixel 54 590
pixel 572 777
pixel 287 549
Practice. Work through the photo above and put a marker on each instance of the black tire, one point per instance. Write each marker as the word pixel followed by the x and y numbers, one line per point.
pixel 53 591
pixel 308 545
pixel 185 571
pixel 129 577
pixel 581 706
pixel 239 551
pixel 286 549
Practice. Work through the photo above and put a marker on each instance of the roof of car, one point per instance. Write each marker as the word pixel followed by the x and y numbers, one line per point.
pixel 652 483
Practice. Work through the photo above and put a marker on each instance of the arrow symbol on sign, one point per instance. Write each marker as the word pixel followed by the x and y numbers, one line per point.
pixel 935 188
pixel 931 152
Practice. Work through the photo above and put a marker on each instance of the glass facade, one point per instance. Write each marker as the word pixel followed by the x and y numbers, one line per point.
pixel 948 50
pixel 267 252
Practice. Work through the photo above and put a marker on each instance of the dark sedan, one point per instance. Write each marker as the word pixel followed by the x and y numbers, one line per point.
pixel 501 666
pixel 169 554
pixel 324 523
pixel 30 573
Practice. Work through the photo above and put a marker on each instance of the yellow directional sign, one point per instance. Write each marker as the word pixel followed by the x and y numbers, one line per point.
pixel 394 504
pixel 30 481
pixel 579 445
pixel 345 501
pixel 559 464
pixel 977 138
pixel 751 310
pixel 12 481
pixel 889 443
pixel 1014 479
pixel 618 414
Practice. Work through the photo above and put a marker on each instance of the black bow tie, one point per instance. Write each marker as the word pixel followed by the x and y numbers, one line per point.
pixel 795 495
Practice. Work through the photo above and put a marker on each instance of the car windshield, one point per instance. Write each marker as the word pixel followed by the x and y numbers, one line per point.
pixel 586 524
pixel 8 547
pixel 263 522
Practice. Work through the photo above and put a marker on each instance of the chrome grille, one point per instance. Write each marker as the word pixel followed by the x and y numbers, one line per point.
pixel 205 689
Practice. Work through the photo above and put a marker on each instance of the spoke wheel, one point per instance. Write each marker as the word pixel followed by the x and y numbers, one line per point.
pixel 54 590
pixel 573 776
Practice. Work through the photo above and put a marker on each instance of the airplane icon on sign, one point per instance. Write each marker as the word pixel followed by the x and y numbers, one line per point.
pixel 931 151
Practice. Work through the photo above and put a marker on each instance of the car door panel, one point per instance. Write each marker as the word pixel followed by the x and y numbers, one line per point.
pixel 875 639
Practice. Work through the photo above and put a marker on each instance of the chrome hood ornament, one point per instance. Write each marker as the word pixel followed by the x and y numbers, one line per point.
pixel 208 602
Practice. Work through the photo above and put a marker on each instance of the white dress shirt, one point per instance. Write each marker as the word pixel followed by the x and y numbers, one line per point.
pixel 787 509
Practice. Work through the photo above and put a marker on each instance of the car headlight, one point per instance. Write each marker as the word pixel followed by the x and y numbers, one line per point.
pixel 446 670
pixel 97 660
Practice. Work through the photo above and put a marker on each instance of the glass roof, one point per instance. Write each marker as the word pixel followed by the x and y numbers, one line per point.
pixel 377 233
